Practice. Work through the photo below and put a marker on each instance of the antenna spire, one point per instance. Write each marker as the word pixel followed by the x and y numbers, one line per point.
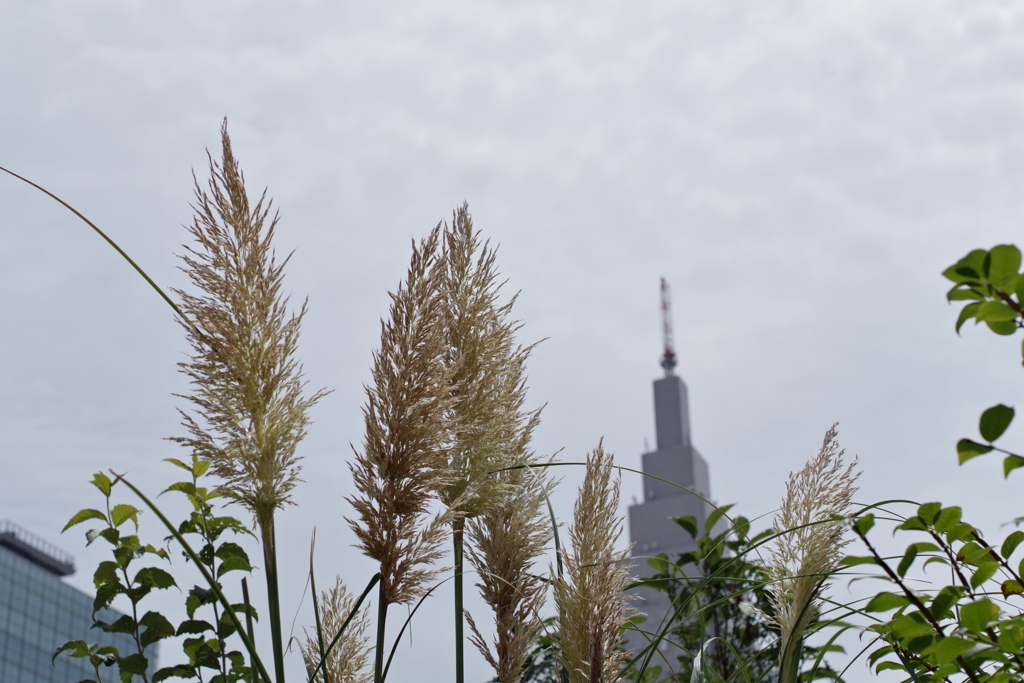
pixel 668 360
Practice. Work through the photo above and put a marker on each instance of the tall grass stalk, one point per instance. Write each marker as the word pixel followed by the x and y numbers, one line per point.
pixel 808 547
pixel 249 411
pixel 490 427
pixel 400 469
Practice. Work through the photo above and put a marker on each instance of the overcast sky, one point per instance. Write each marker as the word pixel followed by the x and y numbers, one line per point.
pixel 800 172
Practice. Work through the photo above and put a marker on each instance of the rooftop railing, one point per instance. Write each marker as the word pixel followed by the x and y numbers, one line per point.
pixel 34 549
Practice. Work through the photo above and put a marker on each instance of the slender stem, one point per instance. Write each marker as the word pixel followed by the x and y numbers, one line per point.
pixel 458 533
pixel 382 613
pixel 273 596
pixel 248 625
pixel 316 609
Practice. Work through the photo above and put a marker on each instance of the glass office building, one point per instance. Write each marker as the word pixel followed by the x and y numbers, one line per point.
pixel 39 613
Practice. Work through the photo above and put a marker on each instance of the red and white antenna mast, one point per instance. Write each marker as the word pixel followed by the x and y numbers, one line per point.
pixel 668 361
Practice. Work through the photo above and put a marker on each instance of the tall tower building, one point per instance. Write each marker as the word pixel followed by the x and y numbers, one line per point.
pixel 675 460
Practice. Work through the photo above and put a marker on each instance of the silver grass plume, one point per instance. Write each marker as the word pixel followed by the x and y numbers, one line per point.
pixel 489 380
pixel 592 607
pixel 408 435
pixel 506 541
pixel 249 412
pixel 349 660
pixel 808 547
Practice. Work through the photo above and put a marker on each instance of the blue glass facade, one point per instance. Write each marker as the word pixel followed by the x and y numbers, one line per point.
pixel 38 614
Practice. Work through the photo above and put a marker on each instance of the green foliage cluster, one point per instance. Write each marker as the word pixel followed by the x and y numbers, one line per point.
pixel 970 627
pixel 205 642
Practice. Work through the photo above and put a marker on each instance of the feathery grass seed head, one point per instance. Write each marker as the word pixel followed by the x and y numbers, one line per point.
pixel 592 605
pixel 249 411
pixel 400 469
pixel 348 661
pixel 809 544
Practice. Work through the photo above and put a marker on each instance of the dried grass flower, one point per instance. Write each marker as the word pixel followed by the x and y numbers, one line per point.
pixel 489 379
pixel 592 606
pixel 506 542
pixel 249 408
pixel 809 545
pixel 400 469
pixel 349 659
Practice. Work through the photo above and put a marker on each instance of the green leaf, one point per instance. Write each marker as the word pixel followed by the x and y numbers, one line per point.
pixel 179 463
pixel 863 525
pixel 929 511
pixel 994 422
pixel 689 522
pixel 122 513
pixel 960 294
pixel 76 648
pixel 157 628
pixel 123 625
pixel 968 449
pixel 946 598
pixel 83 515
pixel 1002 264
pixel 194 626
pixel 949 648
pixel 712 519
pixel 975 616
pixel 883 602
pixel 995 311
pixel 960 532
pixel 186 487
pixel 199 467
pixel 1003 327
pixel 947 519
pixel 983 573
pixel 1010 463
pixel 907 561
pixel 1011 587
pixel 154 577
pixel 103 483
pixel 133 665
pixel 177 671
pixel 105 595
pixel 233 564
pixel 966 313
pixel 1010 543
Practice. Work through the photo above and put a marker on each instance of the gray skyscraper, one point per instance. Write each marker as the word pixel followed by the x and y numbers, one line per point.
pixel 39 613
pixel 675 460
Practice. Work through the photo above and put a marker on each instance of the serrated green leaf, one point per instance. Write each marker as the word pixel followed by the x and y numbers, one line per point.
pixel 233 564
pixel 186 487
pixel 994 422
pixel 179 463
pixel 123 625
pixel 157 628
pixel 177 671
pixel 883 602
pixel 983 573
pixel 75 648
pixel 968 449
pixel 1003 262
pixel 1010 543
pixel 966 313
pixel 199 467
pixel 83 515
pixel 103 483
pixel 1010 463
pixel 194 626
pixel 122 513
pixel 154 577
pixel 133 665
